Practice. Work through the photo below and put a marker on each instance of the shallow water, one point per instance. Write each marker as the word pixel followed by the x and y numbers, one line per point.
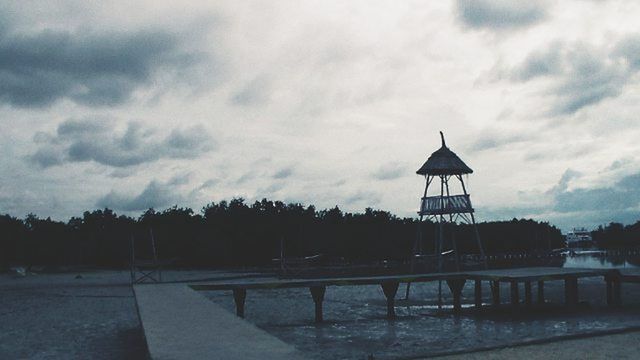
pixel 355 325
pixel 602 262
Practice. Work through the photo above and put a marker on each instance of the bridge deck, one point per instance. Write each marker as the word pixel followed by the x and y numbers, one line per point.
pixel 506 275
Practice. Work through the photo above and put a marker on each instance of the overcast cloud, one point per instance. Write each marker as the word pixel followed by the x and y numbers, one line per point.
pixel 99 140
pixel 150 104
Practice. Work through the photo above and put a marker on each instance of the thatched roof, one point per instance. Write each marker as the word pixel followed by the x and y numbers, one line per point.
pixel 444 162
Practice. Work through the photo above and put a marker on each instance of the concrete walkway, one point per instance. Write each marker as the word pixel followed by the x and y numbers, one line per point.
pixel 180 323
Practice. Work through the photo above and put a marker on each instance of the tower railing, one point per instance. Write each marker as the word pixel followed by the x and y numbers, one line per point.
pixel 437 205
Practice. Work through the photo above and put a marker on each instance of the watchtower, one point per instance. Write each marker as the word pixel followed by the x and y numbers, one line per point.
pixel 442 171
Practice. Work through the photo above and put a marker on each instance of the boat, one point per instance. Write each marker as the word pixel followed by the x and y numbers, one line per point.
pixel 579 238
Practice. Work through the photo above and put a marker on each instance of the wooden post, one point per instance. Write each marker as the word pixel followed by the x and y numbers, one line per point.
pixel 478 294
pixel 540 292
pixel 317 292
pixel 456 290
pixel 495 292
pixel 571 290
pixel 515 296
pixel 389 289
pixel 527 293
pixel 239 295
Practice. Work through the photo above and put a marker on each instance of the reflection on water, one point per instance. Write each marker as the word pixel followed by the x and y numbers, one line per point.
pixel 601 260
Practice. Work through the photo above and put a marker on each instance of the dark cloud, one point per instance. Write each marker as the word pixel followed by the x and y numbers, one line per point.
pixel 580 206
pixel 283 173
pixel 154 195
pixel 98 140
pixel 495 139
pixel 363 197
pixel 622 196
pixel 563 184
pixel 500 14
pixel 581 75
pixel 209 184
pixel 271 189
pixel 390 171
pixel 629 48
pixel 541 63
pixel 254 92
pixel 245 177
pixel 47 156
pixel 95 69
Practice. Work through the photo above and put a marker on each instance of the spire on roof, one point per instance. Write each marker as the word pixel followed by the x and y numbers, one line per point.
pixel 444 162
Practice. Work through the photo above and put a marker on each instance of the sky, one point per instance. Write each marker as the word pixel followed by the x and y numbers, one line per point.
pixel 154 104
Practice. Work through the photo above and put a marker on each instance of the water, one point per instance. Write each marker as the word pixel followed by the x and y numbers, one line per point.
pixel 355 324
pixel 598 260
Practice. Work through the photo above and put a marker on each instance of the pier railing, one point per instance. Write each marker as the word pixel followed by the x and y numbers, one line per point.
pixel 437 205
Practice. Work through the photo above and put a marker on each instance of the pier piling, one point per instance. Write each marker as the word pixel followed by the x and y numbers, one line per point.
pixel 239 295
pixel 527 293
pixel 614 297
pixel 317 292
pixel 495 292
pixel 571 290
pixel 478 294
pixel 515 295
pixel 390 288
pixel 456 286
pixel 540 292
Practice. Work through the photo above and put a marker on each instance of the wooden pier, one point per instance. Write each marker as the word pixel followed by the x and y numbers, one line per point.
pixel 454 280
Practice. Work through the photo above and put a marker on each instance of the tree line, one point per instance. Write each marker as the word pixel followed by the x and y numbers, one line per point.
pixel 234 233
pixel 617 236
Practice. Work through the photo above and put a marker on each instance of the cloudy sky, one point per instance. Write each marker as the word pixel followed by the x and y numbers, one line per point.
pixel 320 102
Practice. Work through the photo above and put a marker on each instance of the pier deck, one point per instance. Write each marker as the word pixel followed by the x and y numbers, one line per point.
pixel 455 281
pixel 179 323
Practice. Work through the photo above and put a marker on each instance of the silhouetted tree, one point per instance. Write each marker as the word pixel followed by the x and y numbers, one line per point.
pixel 234 233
